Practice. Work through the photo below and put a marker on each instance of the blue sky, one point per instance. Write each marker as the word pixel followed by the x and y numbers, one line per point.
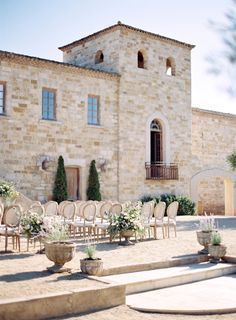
pixel 39 27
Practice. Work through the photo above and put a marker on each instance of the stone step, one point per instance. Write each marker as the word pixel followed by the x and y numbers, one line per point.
pixel 168 277
pixel 212 296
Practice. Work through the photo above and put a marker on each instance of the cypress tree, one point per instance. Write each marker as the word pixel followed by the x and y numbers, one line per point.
pixel 93 191
pixel 60 186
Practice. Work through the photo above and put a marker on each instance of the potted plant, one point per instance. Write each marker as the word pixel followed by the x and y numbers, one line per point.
pixel 216 249
pixel 57 247
pixel 91 264
pixel 206 226
pixel 127 223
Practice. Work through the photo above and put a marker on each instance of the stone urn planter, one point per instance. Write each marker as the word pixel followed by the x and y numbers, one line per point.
pixel 59 252
pixel 93 267
pixel 127 234
pixel 204 239
pixel 216 252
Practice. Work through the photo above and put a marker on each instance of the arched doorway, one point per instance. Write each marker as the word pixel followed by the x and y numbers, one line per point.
pixel 225 180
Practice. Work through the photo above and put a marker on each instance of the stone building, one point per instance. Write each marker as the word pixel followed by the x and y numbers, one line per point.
pixel 121 96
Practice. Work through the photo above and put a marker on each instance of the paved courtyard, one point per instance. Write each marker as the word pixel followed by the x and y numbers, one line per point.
pixel 24 274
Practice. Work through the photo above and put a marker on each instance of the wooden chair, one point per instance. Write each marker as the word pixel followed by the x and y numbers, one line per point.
pixel 88 219
pixel 158 220
pixel 103 223
pixel 12 225
pixel 172 210
pixel 146 215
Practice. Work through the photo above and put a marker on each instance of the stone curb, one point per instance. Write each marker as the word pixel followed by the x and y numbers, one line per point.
pixel 63 303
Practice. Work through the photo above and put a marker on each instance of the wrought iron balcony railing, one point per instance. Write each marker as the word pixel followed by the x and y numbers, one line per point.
pixel 161 171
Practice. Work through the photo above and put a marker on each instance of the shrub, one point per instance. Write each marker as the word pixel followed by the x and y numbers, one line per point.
pixel 186 206
pixel 60 186
pixel 146 198
pixel 231 159
pixel 93 191
pixel 168 198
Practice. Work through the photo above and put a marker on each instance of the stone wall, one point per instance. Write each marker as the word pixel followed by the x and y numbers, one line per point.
pixel 148 94
pixel 26 138
pixel 84 53
pixel 213 139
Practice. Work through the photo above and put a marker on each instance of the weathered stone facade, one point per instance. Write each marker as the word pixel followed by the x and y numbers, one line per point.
pixel 130 98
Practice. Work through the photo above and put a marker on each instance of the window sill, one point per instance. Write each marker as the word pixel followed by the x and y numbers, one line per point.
pixel 4 116
pixel 49 121
pixel 94 126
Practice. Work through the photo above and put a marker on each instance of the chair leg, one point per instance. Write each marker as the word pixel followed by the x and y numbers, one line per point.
pixel 163 232
pixel 175 231
pixel 6 243
pixel 155 232
pixel 18 238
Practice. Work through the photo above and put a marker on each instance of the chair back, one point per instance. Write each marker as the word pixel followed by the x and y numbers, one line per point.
pixel 1 212
pixel 38 208
pixel 105 209
pixel 147 211
pixel 69 210
pixel 159 210
pixel 13 216
pixel 79 204
pixel 172 210
pixel 116 208
pixel 51 208
pixel 61 207
pixel 89 212
pixel 98 208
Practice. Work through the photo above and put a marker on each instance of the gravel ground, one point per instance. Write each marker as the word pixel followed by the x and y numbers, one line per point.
pixel 24 274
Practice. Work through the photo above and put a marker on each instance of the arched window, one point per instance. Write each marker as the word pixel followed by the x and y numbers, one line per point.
pixel 140 60
pixel 99 57
pixel 156 148
pixel 170 67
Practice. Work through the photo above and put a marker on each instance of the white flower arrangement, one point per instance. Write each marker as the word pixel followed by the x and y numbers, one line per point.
pixel 207 223
pixel 128 219
pixel 32 223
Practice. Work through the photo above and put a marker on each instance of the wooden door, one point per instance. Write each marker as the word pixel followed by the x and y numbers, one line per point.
pixel 72 175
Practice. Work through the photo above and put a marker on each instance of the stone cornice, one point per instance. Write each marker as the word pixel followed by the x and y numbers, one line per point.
pixel 212 112
pixel 40 62
pixel 121 26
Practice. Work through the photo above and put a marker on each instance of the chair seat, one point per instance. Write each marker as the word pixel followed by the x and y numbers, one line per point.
pixel 102 225
pixel 155 222
pixel 171 221
pixel 9 231
pixel 81 223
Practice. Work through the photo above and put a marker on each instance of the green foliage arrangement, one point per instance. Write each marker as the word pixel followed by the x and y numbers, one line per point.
pixel 216 238
pixel 186 205
pixel 60 186
pixel 90 251
pixel 231 159
pixel 93 191
pixel 7 190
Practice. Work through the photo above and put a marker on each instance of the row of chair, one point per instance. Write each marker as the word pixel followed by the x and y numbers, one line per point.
pixel 88 217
